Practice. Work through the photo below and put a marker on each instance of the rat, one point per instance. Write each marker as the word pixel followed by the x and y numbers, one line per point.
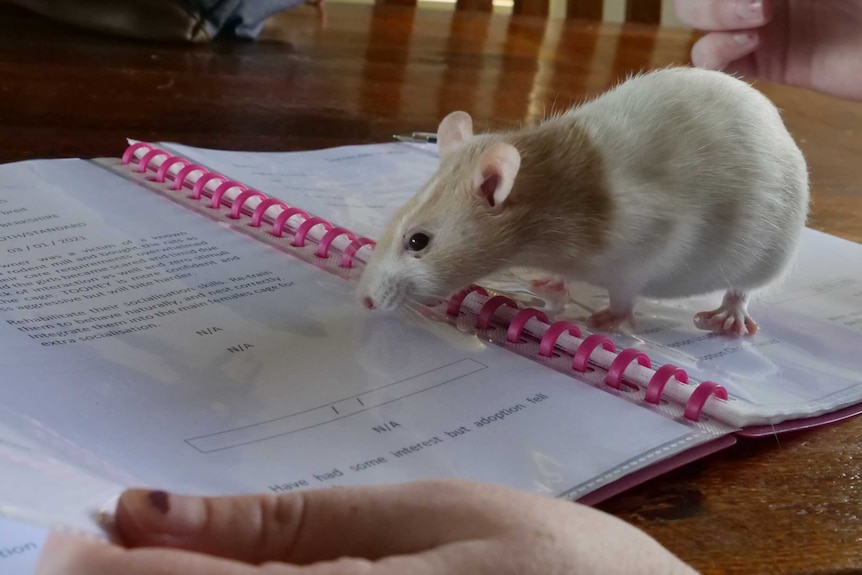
pixel 673 183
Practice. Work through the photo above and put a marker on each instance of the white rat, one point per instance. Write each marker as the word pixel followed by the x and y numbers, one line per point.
pixel 675 183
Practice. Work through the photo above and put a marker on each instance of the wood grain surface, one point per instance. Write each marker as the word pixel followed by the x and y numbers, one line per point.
pixel 787 504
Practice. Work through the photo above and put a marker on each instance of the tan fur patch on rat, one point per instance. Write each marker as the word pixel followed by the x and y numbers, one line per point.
pixel 561 183
pixel 578 189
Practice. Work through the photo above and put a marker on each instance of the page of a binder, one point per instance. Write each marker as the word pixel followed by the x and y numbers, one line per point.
pixel 42 493
pixel 20 545
pixel 803 362
pixel 165 350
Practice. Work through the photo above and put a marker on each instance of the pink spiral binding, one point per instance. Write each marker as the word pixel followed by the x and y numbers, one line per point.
pixel 130 151
pixel 305 227
pixel 237 203
pixel 350 251
pixel 280 220
pixel 698 398
pixel 166 165
pixel 180 178
pixel 585 350
pixel 198 189
pixel 516 326
pixel 553 333
pixel 454 307
pixel 218 194
pixel 657 382
pixel 262 207
pixel 489 307
pixel 621 362
pixel 148 157
pixel 328 237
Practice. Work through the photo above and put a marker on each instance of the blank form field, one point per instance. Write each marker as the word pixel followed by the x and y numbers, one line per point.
pixel 340 409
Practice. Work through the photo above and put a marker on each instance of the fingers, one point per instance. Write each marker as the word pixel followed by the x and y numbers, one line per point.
pixel 64 555
pixel 726 51
pixel 429 528
pixel 318 525
pixel 468 557
pixel 734 32
pixel 721 15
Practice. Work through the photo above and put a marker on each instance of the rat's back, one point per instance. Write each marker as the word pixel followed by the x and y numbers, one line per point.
pixel 709 187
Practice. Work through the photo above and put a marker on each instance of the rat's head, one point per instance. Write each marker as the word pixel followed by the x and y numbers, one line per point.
pixel 461 226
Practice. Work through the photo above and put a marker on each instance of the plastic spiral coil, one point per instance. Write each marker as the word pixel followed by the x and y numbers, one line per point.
pixel 586 348
pixel 629 368
pixel 183 175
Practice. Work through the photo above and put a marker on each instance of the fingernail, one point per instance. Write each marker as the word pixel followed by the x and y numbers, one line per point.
pixel 744 38
pixel 158 512
pixel 750 9
pixel 160 500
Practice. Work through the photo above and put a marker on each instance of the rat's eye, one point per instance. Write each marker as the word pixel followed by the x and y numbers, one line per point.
pixel 418 242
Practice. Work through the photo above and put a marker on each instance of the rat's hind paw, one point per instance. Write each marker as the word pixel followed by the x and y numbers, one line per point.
pixel 609 320
pixel 730 322
pixel 731 318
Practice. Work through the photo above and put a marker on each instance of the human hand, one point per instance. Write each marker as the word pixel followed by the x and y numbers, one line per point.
pixel 812 44
pixel 423 528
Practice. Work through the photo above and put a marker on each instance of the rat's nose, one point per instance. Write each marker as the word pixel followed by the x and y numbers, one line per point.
pixel 367 302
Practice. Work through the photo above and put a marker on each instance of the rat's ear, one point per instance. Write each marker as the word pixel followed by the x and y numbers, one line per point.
pixel 455 128
pixel 495 173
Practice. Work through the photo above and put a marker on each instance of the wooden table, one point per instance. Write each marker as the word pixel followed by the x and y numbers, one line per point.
pixel 787 504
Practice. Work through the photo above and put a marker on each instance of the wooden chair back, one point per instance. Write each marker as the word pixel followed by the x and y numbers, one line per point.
pixel 637 11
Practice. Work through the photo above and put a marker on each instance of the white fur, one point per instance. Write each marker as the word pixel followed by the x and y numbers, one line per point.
pixel 734 213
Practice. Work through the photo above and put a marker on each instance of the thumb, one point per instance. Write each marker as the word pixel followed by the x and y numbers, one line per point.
pixel 309 526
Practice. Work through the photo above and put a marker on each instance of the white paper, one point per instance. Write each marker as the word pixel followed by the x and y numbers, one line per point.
pixel 20 545
pixel 161 349
pixel 804 361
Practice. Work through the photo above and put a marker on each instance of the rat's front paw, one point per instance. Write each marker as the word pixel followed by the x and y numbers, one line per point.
pixel 609 320
pixel 550 286
pixel 553 290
